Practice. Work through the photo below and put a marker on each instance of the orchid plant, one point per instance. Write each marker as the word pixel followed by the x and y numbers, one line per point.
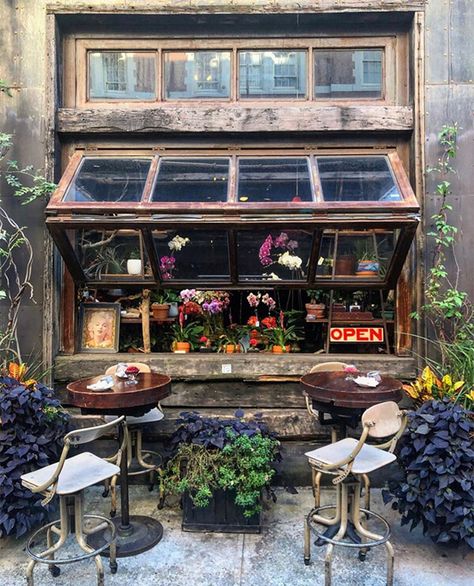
pixel 168 263
pixel 280 250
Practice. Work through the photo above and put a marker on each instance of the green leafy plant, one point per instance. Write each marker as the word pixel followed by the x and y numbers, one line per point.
pixel 134 255
pixel 190 332
pixel 232 335
pixel 210 454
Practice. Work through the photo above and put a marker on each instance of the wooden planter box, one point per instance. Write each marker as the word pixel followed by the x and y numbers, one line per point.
pixel 222 515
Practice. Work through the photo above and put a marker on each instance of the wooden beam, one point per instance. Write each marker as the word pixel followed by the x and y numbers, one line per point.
pixel 219 118
pixel 234 6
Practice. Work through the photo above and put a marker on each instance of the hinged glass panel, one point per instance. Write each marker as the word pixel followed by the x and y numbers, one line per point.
pixel 122 75
pixel 274 180
pixel 103 179
pixel 348 73
pixel 197 74
pixel 272 74
pixel 357 179
pixel 192 180
pixel 192 254
pixel 274 255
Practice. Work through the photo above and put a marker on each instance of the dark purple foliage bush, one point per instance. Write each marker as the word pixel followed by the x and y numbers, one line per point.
pixel 31 431
pixel 436 456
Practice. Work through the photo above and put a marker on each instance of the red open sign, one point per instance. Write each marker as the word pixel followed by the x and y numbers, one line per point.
pixel 357 334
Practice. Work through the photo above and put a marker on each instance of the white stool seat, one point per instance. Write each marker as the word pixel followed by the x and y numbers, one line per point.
pixel 78 473
pixel 150 417
pixel 368 459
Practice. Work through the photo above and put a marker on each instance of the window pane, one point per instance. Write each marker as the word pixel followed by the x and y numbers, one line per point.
pixel 273 255
pixel 351 73
pixel 274 180
pixel 191 180
pixel 357 179
pixel 192 254
pixel 272 74
pixel 108 254
pixel 356 254
pixel 109 180
pixel 120 75
pixel 197 74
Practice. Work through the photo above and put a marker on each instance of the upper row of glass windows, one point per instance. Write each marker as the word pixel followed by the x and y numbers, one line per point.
pixel 261 74
pixel 258 179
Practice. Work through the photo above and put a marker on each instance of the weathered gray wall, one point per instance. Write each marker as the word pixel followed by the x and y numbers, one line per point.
pixel 450 98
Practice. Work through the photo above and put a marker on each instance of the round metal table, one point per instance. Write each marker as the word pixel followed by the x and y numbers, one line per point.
pixel 135 533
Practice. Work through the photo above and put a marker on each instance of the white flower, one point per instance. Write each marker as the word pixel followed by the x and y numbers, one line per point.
pixel 291 261
pixel 271 277
pixel 178 242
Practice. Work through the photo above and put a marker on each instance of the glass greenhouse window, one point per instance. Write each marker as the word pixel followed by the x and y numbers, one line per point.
pixel 197 74
pixel 109 180
pixel 119 75
pixel 348 73
pixel 357 254
pixel 192 180
pixel 357 179
pixel 272 74
pixel 273 255
pixel 192 254
pixel 274 180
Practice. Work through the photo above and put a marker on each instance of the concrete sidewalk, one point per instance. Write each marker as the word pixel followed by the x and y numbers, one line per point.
pixel 274 558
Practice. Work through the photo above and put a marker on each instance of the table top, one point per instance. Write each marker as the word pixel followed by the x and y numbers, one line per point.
pixel 123 398
pixel 333 388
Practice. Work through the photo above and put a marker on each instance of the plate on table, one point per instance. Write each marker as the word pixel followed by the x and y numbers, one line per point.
pixel 366 381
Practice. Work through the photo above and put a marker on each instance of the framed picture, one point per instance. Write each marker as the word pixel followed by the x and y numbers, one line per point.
pixel 99 327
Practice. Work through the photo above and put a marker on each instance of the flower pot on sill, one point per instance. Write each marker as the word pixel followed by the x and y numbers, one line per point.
pixel 160 310
pixel 231 348
pixel 222 515
pixel 281 349
pixel 367 268
pixel 182 347
pixel 134 266
pixel 316 310
pixel 345 264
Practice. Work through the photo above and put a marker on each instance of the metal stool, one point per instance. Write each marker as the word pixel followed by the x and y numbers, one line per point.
pixel 349 460
pixel 139 461
pixel 68 478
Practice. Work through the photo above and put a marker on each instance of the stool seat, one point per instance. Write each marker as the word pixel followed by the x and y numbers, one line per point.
pixel 368 459
pixel 78 473
pixel 151 416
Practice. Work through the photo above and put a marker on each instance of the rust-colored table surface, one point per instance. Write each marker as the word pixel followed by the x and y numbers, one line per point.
pixel 333 389
pixel 122 398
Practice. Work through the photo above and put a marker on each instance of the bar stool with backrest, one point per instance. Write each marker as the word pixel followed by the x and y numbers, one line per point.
pixel 348 460
pixel 323 367
pixel 135 449
pixel 68 479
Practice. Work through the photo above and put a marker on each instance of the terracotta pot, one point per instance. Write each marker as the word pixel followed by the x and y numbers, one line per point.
pixel 182 346
pixel 345 264
pixel 280 350
pixel 316 309
pixel 160 310
pixel 230 348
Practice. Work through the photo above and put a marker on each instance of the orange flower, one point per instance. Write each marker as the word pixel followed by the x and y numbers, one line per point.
pixel 252 320
pixel 18 372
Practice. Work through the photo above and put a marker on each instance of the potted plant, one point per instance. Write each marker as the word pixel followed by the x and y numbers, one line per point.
pixel 220 468
pixel 367 262
pixel 315 310
pixel 160 306
pixel 134 263
pixel 436 458
pixel 229 341
pixel 345 263
pixel 33 425
pixel 185 336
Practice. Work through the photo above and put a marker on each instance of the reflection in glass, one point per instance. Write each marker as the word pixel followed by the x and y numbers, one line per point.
pixel 192 180
pixel 197 74
pixel 272 74
pixel 274 180
pixel 356 254
pixel 122 75
pixel 348 73
pixel 105 254
pixel 192 254
pixel 357 179
pixel 109 180
pixel 273 255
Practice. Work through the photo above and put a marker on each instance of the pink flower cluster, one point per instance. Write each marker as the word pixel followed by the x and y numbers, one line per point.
pixel 211 302
pixel 265 251
pixel 167 266
pixel 255 299
pixel 282 241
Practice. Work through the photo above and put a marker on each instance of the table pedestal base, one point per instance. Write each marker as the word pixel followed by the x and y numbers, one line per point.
pixel 142 534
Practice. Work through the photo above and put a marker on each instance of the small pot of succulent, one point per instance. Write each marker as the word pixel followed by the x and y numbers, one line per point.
pixel 134 263
pixel 160 305
pixel 436 458
pixel 220 467
pixel 32 428
pixel 185 335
